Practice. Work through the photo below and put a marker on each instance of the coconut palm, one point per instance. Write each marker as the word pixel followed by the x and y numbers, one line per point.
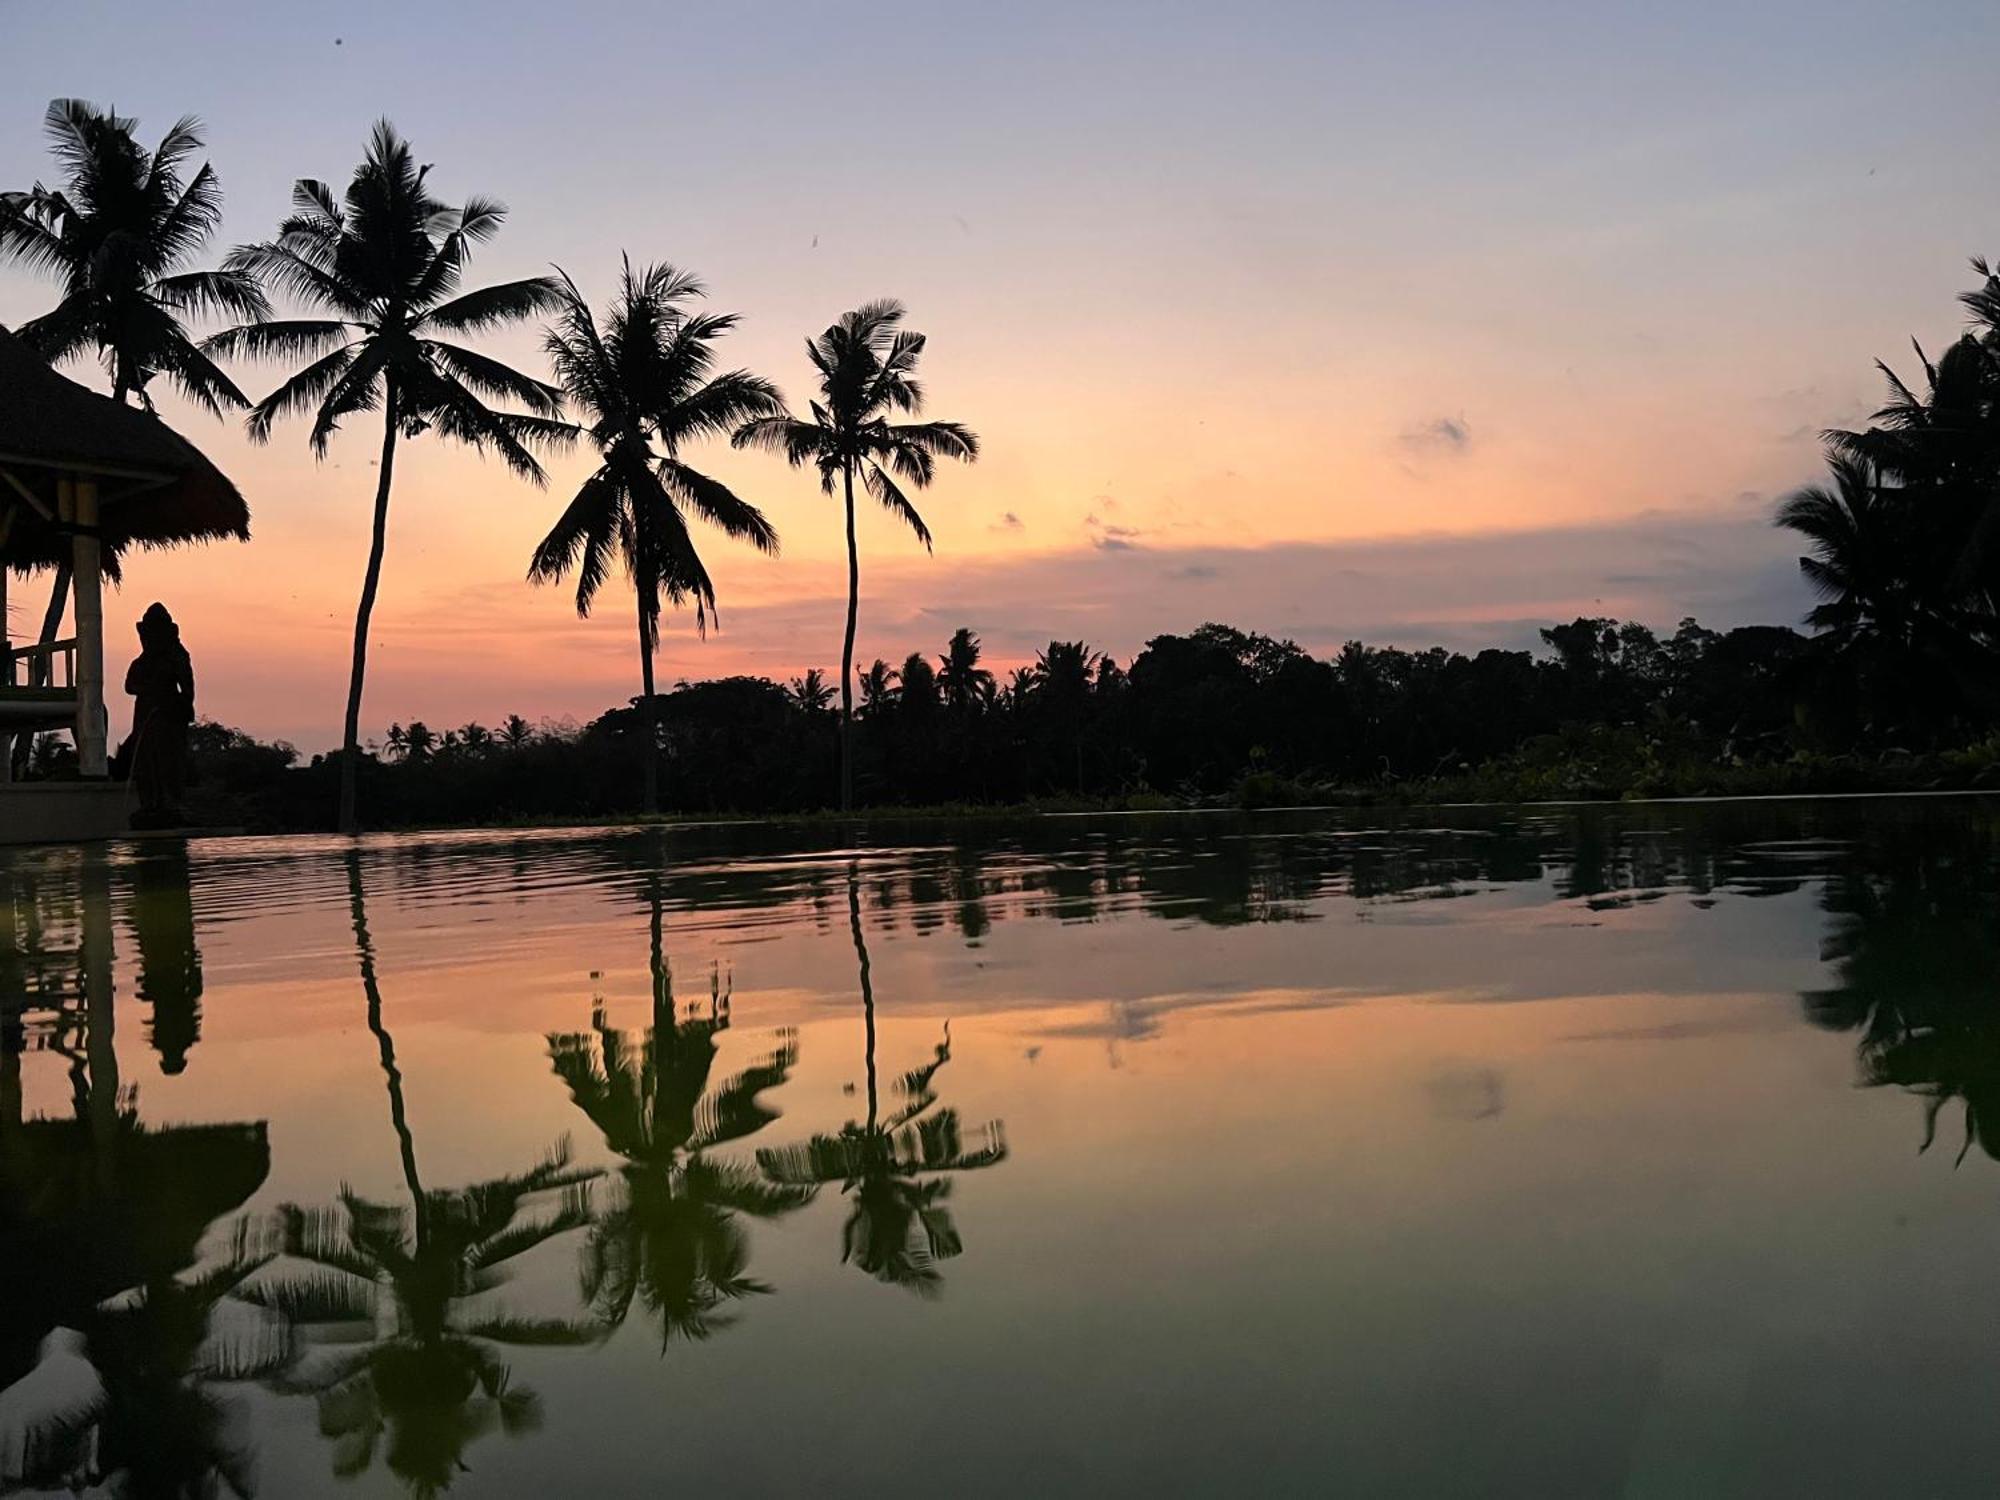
pixel 878 686
pixel 811 693
pixel 966 684
pixel 1861 563
pixel 673 1241
pixel 645 385
pixel 118 235
pixel 866 367
pixel 894 1165
pixel 385 267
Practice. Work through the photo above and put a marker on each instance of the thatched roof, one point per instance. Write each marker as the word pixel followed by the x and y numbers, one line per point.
pixel 154 486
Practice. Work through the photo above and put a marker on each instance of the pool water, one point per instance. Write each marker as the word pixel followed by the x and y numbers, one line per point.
pixel 1630 1151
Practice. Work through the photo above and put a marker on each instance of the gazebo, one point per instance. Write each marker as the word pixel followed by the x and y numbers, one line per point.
pixel 82 479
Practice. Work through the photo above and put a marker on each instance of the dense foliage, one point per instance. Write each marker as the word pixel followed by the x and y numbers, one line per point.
pixel 1216 715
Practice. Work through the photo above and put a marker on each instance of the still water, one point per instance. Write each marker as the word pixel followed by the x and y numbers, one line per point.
pixel 1627 1152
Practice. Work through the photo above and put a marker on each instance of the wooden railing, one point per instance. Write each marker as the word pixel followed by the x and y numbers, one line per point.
pixel 39 666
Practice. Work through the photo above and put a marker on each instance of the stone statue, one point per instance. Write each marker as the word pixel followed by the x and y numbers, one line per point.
pixel 161 682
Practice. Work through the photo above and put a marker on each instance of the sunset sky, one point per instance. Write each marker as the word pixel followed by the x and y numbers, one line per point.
pixel 1422 323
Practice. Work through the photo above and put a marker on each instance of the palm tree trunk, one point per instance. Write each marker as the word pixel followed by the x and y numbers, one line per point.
pixel 867 987
pixel 385 1046
pixel 650 755
pixel 350 744
pixel 847 652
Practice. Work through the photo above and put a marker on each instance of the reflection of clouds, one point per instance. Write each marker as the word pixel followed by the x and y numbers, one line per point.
pixel 1467 1093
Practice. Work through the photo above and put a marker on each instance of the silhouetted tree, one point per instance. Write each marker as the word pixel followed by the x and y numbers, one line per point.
pixel 964 682
pixel 645 385
pixel 117 234
pixel 866 372
pixel 385 267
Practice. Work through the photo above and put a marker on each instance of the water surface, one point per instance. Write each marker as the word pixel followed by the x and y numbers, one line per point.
pixel 1628 1151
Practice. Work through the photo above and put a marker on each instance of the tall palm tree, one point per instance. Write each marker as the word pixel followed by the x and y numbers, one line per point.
pixel 118 235
pixel 866 366
pixel 1861 562
pixel 384 266
pixel 673 1240
pixel 645 386
pixel 894 1165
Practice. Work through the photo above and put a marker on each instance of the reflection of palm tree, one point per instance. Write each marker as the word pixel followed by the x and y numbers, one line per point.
pixel 426 1374
pixel 1916 952
pixel 898 1227
pixel 674 1240
pixel 136 1406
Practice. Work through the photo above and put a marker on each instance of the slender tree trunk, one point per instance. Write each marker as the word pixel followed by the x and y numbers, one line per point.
pixel 867 987
pixel 385 1046
pixel 650 756
pixel 847 652
pixel 350 744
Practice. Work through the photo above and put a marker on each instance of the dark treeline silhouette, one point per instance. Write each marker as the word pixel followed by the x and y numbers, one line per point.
pixel 1216 715
pixel 1901 550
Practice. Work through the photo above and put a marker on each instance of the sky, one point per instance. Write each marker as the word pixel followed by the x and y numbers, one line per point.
pixel 1424 324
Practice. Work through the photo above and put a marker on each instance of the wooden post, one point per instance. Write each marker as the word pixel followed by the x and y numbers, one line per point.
pixel 6 659
pixel 80 508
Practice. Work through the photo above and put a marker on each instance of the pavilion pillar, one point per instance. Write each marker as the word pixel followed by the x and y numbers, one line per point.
pixel 6 667
pixel 79 499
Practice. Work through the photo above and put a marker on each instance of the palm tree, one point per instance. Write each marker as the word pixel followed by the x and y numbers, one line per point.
pixel 966 684
pixel 1887 629
pixel 893 1166
pixel 866 366
pixel 516 733
pixel 1062 690
pixel 385 267
pixel 118 235
pixel 878 686
pixel 811 693
pixel 674 1240
pixel 919 690
pixel 645 387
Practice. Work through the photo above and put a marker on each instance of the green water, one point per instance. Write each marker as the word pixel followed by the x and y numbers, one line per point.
pixel 1628 1152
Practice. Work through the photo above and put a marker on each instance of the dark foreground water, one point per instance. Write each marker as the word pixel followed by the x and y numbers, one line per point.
pixel 1633 1152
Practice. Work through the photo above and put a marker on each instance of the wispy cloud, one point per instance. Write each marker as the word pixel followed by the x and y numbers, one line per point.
pixel 1008 522
pixel 1438 435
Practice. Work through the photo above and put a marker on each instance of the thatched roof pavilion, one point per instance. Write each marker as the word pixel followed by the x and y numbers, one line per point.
pixel 154 487
pixel 82 478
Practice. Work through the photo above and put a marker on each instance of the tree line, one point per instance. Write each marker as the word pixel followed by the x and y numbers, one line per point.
pixel 1903 544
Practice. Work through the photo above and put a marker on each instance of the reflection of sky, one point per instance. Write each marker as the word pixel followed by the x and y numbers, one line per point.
pixel 1287 1197
pixel 1204 277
